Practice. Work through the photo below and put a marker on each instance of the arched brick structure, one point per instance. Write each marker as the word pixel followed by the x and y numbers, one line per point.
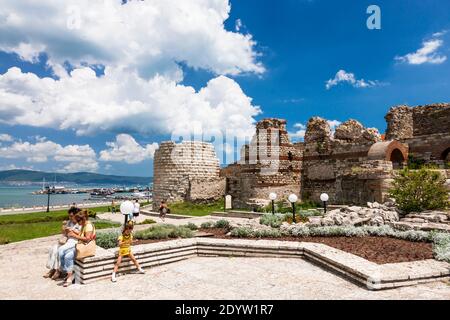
pixel 445 155
pixel 388 150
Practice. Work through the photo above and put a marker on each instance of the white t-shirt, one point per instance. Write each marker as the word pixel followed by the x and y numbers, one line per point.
pixel 137 207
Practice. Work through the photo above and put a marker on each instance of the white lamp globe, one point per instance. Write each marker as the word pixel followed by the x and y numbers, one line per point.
pixel 272 196
pixel 293 198
pixel 324 197
pixel 127 207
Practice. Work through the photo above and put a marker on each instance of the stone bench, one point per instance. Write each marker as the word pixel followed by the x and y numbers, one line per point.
pixel 355 268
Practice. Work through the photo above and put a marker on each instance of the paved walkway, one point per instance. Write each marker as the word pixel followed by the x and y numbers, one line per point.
pixel 22 265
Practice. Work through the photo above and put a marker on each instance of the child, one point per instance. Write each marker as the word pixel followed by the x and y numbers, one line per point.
pixel 125 241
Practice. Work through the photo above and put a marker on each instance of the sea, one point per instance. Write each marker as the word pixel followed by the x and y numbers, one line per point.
pixel 17 196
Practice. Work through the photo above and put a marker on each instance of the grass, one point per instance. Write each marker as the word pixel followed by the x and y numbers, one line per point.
pixel 26 231
pixel 147 221
pixel 19 227
pixel 34 217
pixel 197 210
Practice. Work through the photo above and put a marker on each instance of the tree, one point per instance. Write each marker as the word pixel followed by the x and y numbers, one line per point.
pixel 419 190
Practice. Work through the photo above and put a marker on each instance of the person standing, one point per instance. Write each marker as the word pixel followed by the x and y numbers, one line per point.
pixel 113 206
pixel 163 210
pixel 137 209
pixel 125 241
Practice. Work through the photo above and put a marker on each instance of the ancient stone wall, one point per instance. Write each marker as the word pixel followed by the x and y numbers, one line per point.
pixel 399 123
pixel 425 129
pixel 181 169
pixel 270 163
pixel 339 164
pixel 431 119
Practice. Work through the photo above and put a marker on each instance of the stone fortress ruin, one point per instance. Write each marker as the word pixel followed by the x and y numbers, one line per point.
pixel 354 165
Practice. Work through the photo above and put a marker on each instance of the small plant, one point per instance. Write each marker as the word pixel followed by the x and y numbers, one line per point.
pixel 147 221
pixel 419 190
pixel 289 218
pixel 192 226
pixel 268 233
pixel 242 232
pixel 164 231
pixel 222 224
pixel 4 240
pixel 272 220
pixel 206 225
pixel 107 240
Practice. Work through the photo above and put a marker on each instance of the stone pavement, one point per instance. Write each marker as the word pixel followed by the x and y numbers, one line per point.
pixel 22 265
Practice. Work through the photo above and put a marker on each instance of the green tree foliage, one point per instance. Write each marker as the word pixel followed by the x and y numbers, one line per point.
pixel 418 190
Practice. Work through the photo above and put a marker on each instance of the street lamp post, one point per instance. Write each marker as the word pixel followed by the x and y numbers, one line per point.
pixel 293 199
pixel 273 197
pixel 324 198
pixel 47 188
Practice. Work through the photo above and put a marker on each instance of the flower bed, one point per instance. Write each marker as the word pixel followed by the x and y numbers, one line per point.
pixel 377 244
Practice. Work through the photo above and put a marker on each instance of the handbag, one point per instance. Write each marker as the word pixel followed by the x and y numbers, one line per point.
pixel 85 250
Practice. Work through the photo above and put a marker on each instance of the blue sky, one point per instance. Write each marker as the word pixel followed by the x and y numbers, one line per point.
pixel 296 46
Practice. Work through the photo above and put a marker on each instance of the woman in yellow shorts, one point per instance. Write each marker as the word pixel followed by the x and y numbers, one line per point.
pixel 125 241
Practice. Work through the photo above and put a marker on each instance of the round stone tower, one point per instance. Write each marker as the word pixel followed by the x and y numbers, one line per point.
pixel 177 166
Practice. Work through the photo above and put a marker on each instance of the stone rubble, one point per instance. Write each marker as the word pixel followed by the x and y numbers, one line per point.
pixel 374 215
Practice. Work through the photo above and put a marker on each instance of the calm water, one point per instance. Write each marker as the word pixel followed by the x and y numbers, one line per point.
pixel 20 196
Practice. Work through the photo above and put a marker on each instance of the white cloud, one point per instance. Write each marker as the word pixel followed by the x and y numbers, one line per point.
pixel 428 53
pixel 333 124
pixel 140 44
pixel 348 77
pixel 238 25
pixel 121 101
pixel 300 133
pixel 126 149
pixel 150 36
pixel 301 129
pixel 5 137
pixel 14 167
pixel 78 157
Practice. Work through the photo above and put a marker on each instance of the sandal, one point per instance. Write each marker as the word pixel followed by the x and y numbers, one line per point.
pixel 56 275
pixel 49 274
pixel 67 282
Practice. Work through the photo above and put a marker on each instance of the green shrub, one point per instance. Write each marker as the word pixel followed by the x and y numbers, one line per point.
pixel 222 224
pixel 272 220
pixel 191 226
pixel 206 225
pixel 268 233
pixel 164 231
pixel 419 190
pixel 289 218
pixel 242 232
pixel 108 239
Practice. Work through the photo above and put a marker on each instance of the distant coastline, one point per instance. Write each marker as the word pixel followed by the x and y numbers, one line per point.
pixel 35 177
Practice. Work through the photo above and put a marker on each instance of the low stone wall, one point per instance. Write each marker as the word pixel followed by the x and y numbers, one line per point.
pixel 364 272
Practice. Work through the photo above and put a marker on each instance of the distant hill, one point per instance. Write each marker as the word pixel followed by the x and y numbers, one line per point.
pixel 78 177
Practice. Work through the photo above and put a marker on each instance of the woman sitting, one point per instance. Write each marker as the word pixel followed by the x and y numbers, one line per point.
pixel 64 241
pixel 67 256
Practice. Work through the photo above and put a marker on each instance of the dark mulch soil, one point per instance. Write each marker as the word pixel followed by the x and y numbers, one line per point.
pixel 380 250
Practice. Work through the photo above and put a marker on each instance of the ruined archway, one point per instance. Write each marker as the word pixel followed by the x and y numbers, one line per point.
pixel 393 151
pixel 446 155
pixel 397 159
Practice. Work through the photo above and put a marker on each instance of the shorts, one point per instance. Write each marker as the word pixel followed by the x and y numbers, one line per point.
pixel 124 252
